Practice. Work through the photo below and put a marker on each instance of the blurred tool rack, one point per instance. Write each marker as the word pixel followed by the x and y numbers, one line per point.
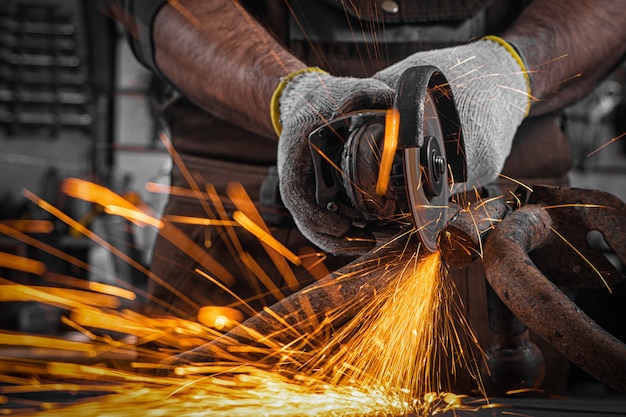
pixel 57 72
pixel 56 76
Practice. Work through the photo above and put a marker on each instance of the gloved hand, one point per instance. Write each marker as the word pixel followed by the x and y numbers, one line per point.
pixel 302 102
pixel 491 88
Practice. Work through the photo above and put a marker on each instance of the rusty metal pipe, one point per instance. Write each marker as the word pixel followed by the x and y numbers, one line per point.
pixel 348 289
pixel 461 241
pixel 541 305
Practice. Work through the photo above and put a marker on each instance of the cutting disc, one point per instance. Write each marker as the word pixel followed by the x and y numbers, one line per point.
pixel 432 144
pixel 430 151
pixel 427 180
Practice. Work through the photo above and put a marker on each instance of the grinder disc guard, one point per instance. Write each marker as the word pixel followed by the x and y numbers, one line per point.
pixel 347 151
pixel 427 181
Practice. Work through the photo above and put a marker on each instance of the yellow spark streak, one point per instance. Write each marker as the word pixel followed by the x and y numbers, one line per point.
pixel 606 144
pixel 30 226
pixel 382 362
pixel 55 296
pixel 97 372
pixel 170 232
pixel 261 275
pixel 60 297
pixel 186 13
pixel 119 323
pixel 550 61
pixel 515 181
pixel 199 221
pixel 598 273
pixel 390 144
pixel 314 260
pixel 89 285
pixel 40 388
pixel 21 263
pixel 45 342
pixel 155 187
pixel 98 194
pixel 135 216
pixel 180 192
pixel 574 205
pixel 110 289
pixel 397 350
pixel 16 234
pixel 265 237
pixel 226 289
pixel 244 203
pixel 195 189
pixel 219 317
pixel 78 328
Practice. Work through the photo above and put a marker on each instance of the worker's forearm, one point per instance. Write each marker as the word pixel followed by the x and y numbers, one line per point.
pixel 569 46
pixel 222 59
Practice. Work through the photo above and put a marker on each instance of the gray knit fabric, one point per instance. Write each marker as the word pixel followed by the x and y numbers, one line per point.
pixel 490 91
pixel 308 101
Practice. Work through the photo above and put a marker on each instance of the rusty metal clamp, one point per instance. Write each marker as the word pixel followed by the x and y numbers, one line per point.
pixel 554 228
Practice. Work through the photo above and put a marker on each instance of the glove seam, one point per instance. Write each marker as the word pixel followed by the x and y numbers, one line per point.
pixel 275 101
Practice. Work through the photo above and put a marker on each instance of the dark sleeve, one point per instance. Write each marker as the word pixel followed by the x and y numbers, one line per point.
pixel 137 17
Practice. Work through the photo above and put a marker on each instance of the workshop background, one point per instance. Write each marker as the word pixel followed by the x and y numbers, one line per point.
pixel 75 103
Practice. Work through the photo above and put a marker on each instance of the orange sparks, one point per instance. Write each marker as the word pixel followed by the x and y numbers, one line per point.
pixel 112 290
pixel 401 348
pixel 135 216
pixel 185 12
pixel 90 286
pixel 579 253
pixel 220 318
pixel 385 362
pixel 264 236
pixel 33 341
pixel 606 144
pixel 261 275
pixel 30 226
pixel 22 237
pixel 392 130
pixel 21 263
pixel 127 324
pixel 174 234
pixel 245 205
pixel 55 296
pixel 92 192
pixel 200 221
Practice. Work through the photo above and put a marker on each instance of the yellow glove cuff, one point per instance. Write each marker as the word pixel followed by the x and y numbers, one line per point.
pixel 275 102
pixel 520 61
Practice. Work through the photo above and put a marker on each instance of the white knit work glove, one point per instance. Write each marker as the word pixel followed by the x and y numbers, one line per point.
pixel 491 88
pixel 305 100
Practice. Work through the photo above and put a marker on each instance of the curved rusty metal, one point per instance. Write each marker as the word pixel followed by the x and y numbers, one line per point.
pixel 541 305
pixel 576 212
pixel 460 242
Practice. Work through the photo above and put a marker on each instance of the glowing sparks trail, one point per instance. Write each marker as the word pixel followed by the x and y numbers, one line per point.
pixel 396 356
pixel 392 130
pixel 264 237
pixel 20 263
pixel 394 344
pixel 381 362
pixel 606 144
pixel 385 361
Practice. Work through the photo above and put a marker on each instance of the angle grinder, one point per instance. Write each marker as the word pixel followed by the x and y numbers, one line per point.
pixel 429 156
